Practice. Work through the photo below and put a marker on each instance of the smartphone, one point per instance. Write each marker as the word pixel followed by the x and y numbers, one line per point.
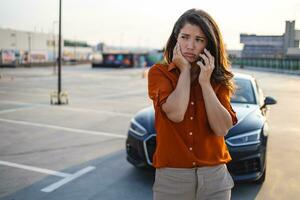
pixel 201 60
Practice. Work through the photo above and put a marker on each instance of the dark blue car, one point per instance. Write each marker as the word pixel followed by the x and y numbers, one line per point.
pixel 246 141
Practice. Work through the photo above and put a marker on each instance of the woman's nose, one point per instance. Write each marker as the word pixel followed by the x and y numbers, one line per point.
pixel 190 44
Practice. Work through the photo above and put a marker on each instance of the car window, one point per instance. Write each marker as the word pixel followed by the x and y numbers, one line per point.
pixel 244 92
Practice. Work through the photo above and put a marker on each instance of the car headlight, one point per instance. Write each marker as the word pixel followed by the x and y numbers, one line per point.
pixel 252 137
pixel 136 128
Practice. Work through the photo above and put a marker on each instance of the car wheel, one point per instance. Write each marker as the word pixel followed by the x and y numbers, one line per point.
pixel 261 180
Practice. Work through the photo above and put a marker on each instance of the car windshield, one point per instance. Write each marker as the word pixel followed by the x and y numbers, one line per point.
pixel 244 92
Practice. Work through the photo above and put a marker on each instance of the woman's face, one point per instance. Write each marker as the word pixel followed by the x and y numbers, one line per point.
pixel 192 42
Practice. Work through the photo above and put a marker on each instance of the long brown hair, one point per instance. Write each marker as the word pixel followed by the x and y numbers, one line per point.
pixel 215 45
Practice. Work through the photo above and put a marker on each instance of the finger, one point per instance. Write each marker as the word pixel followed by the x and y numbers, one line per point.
pixel 178 49
pixel 210 57
pixel 213 61
pixel 205 58
pixel 201 65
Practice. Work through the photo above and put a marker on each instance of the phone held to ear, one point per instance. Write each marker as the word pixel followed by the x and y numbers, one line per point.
pixel 201 60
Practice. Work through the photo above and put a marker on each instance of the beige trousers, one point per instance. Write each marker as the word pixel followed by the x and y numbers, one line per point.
pixel 203 183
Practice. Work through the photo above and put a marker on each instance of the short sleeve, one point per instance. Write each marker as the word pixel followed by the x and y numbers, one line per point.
pixel 223 95
pixel 159 86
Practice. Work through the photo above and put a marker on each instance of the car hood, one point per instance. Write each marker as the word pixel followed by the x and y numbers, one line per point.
pixel 249 118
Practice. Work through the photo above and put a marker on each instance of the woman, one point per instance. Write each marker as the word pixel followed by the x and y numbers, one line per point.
pixel 191 96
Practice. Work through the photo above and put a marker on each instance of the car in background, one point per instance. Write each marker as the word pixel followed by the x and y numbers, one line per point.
pixel 114 59
pixel 8 57
pixel 246 141
pixel 96 59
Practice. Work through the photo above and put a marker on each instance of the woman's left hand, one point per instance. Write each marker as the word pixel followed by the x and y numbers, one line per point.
pixel 206 68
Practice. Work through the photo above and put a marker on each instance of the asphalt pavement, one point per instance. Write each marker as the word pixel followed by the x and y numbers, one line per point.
pixel 77 151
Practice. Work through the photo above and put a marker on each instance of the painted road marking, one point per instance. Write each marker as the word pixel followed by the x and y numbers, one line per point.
pixel 18 109
pixel 67 177
pixel 58 184
pixel 36 169
pixel 70 108
pixel 124 94
pixel 63 128
pixel 98 111
pixel 23 103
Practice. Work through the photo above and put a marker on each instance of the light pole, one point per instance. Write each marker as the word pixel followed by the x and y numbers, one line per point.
pixel 75 44
pixel 14 46
pixel 59 55
pixel 62 96
pixel 29 49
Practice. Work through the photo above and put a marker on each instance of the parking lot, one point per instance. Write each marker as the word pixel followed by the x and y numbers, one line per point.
pixel 77 151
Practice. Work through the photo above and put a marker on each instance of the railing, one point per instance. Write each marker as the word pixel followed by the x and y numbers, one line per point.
pixel 287 65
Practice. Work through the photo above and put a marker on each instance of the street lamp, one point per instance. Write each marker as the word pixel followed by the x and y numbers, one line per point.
pixel 61 96
pixel 29 50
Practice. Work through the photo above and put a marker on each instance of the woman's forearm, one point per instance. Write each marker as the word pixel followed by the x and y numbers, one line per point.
pixel 218 117
pixel 177 102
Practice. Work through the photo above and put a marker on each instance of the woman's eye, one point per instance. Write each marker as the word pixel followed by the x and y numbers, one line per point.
pixel 183 37
pixel 199 40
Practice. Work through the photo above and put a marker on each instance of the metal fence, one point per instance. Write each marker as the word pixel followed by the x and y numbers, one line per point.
pixel 271 64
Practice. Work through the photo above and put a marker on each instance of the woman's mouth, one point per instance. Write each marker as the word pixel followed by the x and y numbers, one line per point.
pixel 189 55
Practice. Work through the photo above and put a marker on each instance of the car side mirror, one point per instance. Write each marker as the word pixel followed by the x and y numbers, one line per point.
pixel 268 101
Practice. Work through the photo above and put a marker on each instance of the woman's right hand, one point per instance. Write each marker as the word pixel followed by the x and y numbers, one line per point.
pixel 179 60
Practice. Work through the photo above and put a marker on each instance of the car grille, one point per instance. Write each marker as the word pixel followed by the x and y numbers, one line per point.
pixel 149 147
pixel 244 167
pixel 133 153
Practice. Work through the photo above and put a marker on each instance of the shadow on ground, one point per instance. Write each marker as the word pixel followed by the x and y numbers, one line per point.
pixel 113 179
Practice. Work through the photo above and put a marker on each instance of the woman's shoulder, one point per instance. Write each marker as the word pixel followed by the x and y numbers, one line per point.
pixel 159 68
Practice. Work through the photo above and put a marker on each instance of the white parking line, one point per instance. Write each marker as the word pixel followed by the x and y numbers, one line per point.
pixel 120 94
pixel 17 109
pixel 36 169
pixel 58 184
pixel 54 186
pixel 97 111
pixel 18 102
pixel 69 108
pixel 63 128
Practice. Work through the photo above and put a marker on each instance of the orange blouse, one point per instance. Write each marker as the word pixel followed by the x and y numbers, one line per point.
pixel 191 142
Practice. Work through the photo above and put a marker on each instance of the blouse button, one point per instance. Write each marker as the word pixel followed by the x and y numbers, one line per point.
pixel 191 148
pixel 194 163
pixel 191 133
pixel 191 118
pixel 192 103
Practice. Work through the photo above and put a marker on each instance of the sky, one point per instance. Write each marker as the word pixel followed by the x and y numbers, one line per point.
pixel 141 23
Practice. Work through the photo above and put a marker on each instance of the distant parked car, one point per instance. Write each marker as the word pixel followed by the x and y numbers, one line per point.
pixel 96 59
pixel 8 57
pixel 246 141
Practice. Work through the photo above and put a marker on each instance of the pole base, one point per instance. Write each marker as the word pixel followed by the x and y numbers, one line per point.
pixel 60 99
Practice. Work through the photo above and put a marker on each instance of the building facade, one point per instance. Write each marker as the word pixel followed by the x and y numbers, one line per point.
pixel 272 46
pixel 22 47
